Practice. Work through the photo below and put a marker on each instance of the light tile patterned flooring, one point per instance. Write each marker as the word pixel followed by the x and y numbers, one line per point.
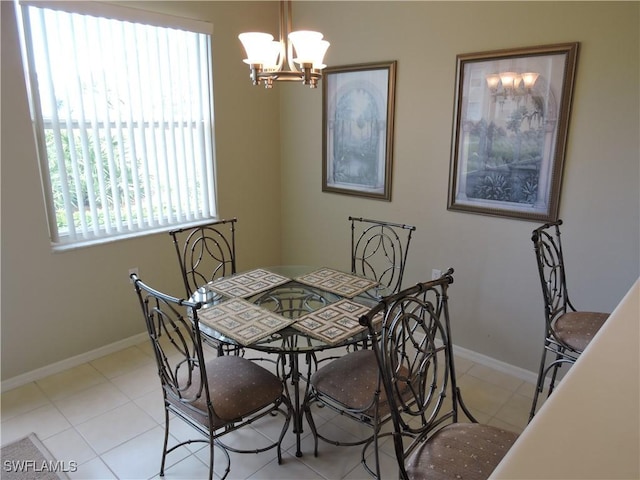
pixel 107 416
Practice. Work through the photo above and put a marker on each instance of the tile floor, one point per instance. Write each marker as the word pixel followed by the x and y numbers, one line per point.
pixel 107 416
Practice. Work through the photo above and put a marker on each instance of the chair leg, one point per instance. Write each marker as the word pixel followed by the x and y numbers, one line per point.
pixel 376 452
pixel 215 442
pixel 166 441
pixel 285 427
pixel 556 367
pixel 374 440
pixel 306 407
pixel 540 382
pixel 211 448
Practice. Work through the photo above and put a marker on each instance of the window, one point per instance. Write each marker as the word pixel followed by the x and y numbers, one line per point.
pixel 122 105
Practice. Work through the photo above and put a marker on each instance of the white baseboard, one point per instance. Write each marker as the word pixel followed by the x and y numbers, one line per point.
pixel 490 362
pixel 58 367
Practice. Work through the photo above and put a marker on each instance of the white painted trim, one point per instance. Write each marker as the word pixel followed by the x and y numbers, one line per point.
pixel 58 367
pixel 490 362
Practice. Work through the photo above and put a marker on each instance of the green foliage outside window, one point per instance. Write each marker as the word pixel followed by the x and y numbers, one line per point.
pixel 88 168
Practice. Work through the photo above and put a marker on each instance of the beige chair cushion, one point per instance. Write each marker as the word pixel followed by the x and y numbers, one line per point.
pixel 352 380
pixel 576 329
pixel 238 388
pixel 469 451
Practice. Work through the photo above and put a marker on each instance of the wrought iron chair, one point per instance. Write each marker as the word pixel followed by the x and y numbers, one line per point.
pixel 567 330
pixel 205 252
pixel 215 396
pixel 414 353
pixel 379 252
pixel 390 380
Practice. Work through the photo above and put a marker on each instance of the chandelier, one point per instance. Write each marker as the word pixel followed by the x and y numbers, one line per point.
pixel 269 59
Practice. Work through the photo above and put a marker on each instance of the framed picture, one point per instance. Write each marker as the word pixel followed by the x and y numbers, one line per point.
pixel 358 104
pixel 511 120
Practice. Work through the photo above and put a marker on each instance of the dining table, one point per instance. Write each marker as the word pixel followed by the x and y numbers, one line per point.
pixel 291 313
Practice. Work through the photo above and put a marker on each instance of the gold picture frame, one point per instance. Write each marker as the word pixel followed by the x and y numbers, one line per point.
pixel 358 103
pixel 511 119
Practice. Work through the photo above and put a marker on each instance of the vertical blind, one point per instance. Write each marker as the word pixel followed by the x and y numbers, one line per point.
pixel 123 113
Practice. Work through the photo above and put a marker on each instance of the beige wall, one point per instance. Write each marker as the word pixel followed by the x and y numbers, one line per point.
pixel 496 299
pixel 59 305
pixel 56 306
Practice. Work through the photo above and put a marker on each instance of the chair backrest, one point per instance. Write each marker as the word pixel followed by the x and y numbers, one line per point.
pixel 177 346
pixel 379 251
pixel 414 352
pixel 548 250
pixel 205 252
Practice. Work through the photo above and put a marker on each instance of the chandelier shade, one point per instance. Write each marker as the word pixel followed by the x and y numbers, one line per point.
pixel 260 48
pixel 270 60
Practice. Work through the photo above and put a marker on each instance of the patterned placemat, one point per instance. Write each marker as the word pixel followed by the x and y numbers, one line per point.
pixel 336 322
pixel 245 322
pixel 248 283
pixel 343 284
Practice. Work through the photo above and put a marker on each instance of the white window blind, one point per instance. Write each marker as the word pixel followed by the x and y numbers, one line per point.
pixel 123 115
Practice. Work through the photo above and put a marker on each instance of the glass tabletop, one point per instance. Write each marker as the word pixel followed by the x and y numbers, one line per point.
pixel 291 300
